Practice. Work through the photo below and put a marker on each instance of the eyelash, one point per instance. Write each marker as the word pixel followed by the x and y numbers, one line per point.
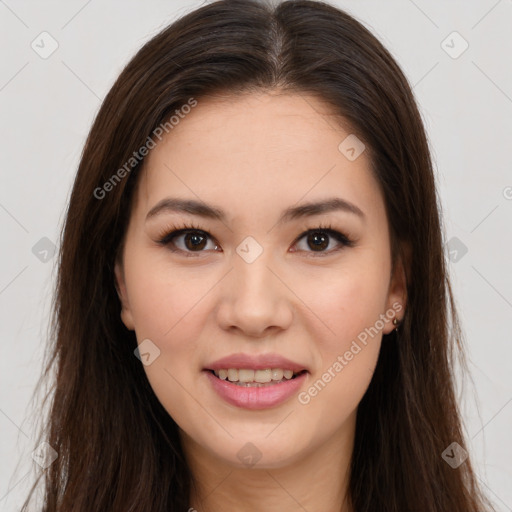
pixel 171 232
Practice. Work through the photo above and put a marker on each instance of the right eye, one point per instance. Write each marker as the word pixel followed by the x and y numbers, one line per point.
pixel 187 240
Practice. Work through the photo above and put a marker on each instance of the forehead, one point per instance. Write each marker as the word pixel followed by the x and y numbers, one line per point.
pixel 255 151
pixel 259 122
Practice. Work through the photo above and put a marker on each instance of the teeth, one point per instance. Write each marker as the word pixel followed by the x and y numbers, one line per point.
pixel 245 375
pixel 277 373
pixel 232 375
pixel 263 376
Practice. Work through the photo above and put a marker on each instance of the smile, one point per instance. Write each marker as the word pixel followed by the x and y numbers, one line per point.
pixel 247 393
pixel 255 378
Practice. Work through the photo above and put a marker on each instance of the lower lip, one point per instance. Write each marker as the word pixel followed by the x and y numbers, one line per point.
pixel 256 397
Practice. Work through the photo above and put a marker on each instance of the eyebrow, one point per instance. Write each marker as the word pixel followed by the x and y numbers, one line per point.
pixel 201 209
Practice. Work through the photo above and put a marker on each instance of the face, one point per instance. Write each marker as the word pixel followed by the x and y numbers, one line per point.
pixel 259 282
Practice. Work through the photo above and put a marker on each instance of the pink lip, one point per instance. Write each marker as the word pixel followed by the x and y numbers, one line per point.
pixel 256 362
pixel 255 397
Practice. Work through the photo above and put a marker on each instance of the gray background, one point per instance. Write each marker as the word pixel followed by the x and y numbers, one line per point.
pixel 47 107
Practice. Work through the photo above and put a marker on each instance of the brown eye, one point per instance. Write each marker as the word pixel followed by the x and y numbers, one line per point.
pixel 318 240
pixel 188 241
pixel 322 242
pixel 194 241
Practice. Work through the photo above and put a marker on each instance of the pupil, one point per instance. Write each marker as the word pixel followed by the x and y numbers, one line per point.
pixel 319 240
pixel 197 241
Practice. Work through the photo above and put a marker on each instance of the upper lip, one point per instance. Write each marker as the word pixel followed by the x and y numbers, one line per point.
pixel 255 362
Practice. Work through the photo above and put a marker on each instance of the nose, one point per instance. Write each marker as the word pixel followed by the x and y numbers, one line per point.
pixel 254 300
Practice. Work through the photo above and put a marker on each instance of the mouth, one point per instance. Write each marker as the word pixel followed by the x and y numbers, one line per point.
pixel 255 381
pixel 256 378
pixel 253 389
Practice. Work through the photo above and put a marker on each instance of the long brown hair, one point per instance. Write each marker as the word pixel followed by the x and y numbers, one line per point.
pixel 118 449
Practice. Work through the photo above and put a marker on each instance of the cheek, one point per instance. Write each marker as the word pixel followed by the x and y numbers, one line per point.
pixel 357 325
pixel 163 298
pixel 167 309
pixel 348 302
pixel 352 307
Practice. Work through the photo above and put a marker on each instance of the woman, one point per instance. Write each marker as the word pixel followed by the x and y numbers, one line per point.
pixel 253 310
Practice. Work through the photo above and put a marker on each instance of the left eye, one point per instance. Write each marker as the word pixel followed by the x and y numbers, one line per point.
pixel 196 241
pixel 319 240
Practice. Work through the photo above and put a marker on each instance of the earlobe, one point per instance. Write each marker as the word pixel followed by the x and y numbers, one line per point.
pixel 397 296
pixel 126 314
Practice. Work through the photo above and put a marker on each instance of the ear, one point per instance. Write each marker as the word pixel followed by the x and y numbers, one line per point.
pixel 126 314
pixel 397 293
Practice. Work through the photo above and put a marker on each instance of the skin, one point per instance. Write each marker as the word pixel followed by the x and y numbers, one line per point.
pixel 253 155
